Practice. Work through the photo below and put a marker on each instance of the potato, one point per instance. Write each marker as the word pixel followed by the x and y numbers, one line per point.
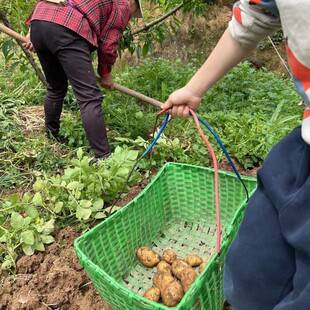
pixel 161 280
pixel 193 260
pixel 178 266
pixel 188 276
pixel 152 294
pixel 172 294
pixel 201 266
pixel 169 256
pixel 163 266
pixel 147 257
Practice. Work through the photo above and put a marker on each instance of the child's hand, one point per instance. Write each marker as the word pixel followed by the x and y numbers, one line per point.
pixel 180 101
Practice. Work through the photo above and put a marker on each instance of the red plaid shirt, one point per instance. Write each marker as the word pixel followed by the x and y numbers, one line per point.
pixel 100 22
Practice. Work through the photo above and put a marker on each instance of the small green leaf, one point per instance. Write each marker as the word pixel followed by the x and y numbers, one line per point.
pixel 58 206
pixel 38 185
pixel 27 237
pixel 114 209
pixel 139 51
pixel 3 239
pixel 28 249
pixel 40 247
pixel 47 239
pixel 37 199
pixel 7 264
pixel 139 114
pixel 85 164
pixel 83 214
pixel 31 211
pixel 77 195
pixel 145 49
pixel 123 171
pixel 85 203
pixel 73 185
pixel 100 215
pixel 132 155
pixel 14 199
pixel 79 153
pixel 16 220
pixel 98 204
pixel 48 227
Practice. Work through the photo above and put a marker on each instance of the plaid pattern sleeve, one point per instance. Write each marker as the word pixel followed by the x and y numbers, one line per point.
pixel 100 22
pixel 111 35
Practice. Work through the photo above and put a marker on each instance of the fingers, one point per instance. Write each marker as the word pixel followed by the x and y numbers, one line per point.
pixel 180 110
pixel 29 46
pixel 181 101
pixel 107 85
pixel 106 82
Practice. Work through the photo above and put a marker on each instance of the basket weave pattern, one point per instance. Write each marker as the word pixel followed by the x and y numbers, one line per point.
pixel 176 210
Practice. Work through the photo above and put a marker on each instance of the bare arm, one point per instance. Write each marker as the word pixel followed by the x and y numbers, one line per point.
pixel 226 55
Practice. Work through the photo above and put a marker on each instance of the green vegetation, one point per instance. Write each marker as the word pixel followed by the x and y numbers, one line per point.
pixel 44 184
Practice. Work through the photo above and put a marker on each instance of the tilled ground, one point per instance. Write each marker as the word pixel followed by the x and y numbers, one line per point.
pixel 50 280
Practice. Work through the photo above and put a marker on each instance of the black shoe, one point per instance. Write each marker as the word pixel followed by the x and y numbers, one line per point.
pixel 57 138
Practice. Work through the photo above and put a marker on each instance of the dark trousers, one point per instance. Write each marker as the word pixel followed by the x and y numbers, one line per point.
pixel 268 264
pixel 64 55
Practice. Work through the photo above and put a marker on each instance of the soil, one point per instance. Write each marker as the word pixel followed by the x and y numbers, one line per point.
pixel 55 279
pixel 50 280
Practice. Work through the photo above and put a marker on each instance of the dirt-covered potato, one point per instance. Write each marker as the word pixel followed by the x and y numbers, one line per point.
pixel 178 266
pixel 163 266
pixel 152 294
pixel 147 257
pixel 193 260
pixel 202 266
pixel 172 294
pixel 188 276
pixel 161 280
pixel 168 256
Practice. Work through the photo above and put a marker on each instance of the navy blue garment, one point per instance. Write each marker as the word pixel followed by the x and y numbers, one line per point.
pixel 268 264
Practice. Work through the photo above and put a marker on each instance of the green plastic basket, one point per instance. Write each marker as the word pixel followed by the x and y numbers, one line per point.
pixel 176 210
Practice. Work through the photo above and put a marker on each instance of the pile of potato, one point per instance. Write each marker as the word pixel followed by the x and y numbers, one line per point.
pixel 173 277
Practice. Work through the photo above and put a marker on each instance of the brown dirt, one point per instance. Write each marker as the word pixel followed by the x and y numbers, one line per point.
pixel 50 280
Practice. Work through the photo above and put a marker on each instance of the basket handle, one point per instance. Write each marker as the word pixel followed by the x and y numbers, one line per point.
pixel 216 181
pixel 215 164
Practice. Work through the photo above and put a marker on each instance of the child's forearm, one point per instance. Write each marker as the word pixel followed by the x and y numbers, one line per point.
pixel 226 55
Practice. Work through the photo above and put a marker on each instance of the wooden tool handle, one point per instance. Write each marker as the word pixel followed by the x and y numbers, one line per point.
pixel 13 34
pixel 137 95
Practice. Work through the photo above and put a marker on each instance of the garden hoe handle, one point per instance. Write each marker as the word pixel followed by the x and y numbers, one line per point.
pixel 137 95
pixel 13 34
pixel 118 87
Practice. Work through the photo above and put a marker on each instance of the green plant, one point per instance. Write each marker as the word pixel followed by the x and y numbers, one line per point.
pixel 84 189
pixel 22 226
pixel 71 128
pixel 169 149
